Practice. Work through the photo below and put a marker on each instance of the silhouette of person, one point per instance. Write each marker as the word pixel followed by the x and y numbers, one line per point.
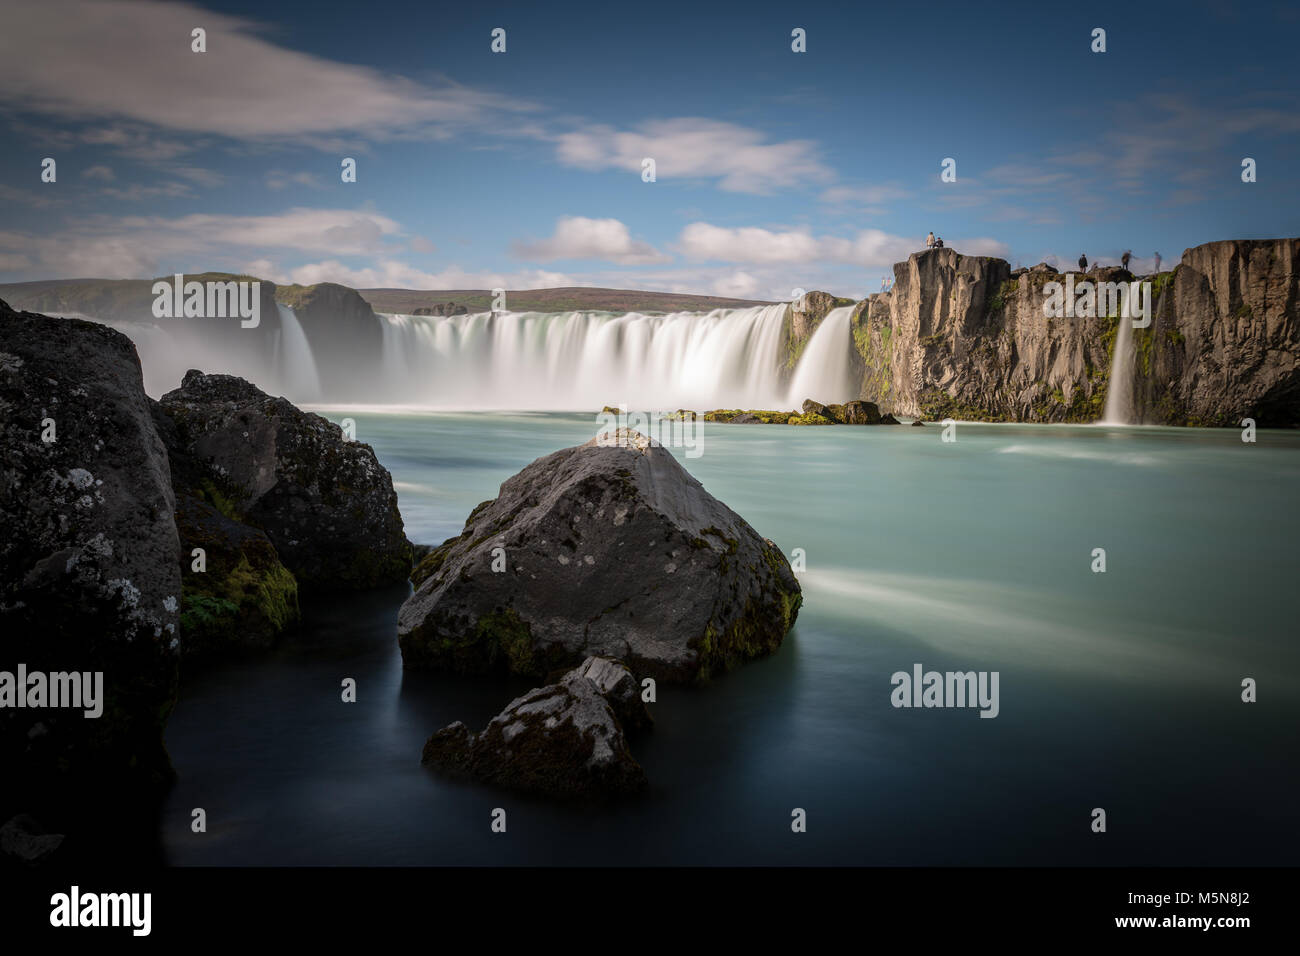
pixel 1123 260
pixel 1157 262
pixel 1083 263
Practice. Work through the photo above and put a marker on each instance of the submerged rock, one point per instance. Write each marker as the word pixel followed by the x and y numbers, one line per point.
pixel 25 840
pixel 564 739
pixel 325 503
pixel 611 549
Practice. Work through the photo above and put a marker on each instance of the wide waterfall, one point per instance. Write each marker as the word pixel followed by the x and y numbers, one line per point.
pixel 727 358
pixel 1119 392
pixel 563 361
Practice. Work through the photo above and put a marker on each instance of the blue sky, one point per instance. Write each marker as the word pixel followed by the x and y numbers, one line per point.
pixel 775 169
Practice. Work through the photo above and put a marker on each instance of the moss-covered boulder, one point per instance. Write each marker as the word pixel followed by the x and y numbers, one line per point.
pixel 324 502
pixel 562 740
pixel 243 597
pixel 611 549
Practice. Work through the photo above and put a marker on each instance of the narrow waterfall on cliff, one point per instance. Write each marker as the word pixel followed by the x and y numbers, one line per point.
pixel 727 358
pixel 294 360
pixel 824 372
pixel 1119 391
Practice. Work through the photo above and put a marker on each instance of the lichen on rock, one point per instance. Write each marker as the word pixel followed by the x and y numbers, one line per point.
pixel 612 549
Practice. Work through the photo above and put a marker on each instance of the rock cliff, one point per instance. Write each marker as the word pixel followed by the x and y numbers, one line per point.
pixel 964 337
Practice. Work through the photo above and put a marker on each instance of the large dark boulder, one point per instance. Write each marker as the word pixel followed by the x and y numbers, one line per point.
pixel 561 740
pixel 325 503
pixel 89 565
pixel 611 549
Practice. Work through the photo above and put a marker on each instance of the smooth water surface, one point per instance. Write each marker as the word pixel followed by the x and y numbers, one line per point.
pixel 1118 690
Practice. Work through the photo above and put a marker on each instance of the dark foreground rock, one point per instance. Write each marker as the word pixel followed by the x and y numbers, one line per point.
pixel 23 839
pixel 325 503
pixel 562 740
pixel 89 567
pixel 610 549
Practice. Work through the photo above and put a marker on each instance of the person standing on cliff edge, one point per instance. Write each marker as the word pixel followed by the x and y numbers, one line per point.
pixel 1123 260
pixel 1083 263
pixel 929 241
pixel 1157 262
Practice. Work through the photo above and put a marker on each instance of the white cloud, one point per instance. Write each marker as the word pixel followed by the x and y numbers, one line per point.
pixel 737 157
pixel 336 231
pixel 102 173
pixel 130 59
pixel 394 274
pixel 577 237
pixel 136 246
pixel 869 248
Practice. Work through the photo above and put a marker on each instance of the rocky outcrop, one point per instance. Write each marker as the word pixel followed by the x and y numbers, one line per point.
pixel 963 337
pixel 802 319
pixel 1225 340
pixel 343 331
pixel 243 598
pixel 325 503
pixel 562 740
pixel 89 564
pixel 856 412
pixel 610 549
pixel 442 308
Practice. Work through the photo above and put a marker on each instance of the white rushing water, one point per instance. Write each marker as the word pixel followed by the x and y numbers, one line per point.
pixel 1119 393
pixel 564 361
pixel 294 360
pixel 727 358
pixel 824 367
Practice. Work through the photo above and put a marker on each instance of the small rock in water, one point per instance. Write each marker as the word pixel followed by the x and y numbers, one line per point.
pixel 561 740
pixel 24 839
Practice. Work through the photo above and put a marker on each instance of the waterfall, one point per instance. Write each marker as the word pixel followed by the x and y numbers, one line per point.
pixel 542 361
pixel 1119 391
pixel 824 373
pixel 727 358
pixel 293 359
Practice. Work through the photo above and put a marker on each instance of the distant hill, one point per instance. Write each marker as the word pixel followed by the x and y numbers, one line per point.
pixel 110 299
pixel 552 300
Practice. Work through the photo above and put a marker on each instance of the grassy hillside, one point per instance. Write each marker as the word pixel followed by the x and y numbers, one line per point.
pixel 131 298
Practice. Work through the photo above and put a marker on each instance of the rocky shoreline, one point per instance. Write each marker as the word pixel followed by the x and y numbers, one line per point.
pixel 140 537
pixel 144 537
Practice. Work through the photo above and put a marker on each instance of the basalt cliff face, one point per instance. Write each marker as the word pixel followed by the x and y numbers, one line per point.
pixel 965 337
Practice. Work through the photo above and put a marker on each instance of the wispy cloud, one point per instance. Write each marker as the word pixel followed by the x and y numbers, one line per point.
pixel 244 86
pixel 737 158
pixel 752 245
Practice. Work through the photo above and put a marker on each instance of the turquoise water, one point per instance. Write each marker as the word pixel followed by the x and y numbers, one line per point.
pixel 1118 690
